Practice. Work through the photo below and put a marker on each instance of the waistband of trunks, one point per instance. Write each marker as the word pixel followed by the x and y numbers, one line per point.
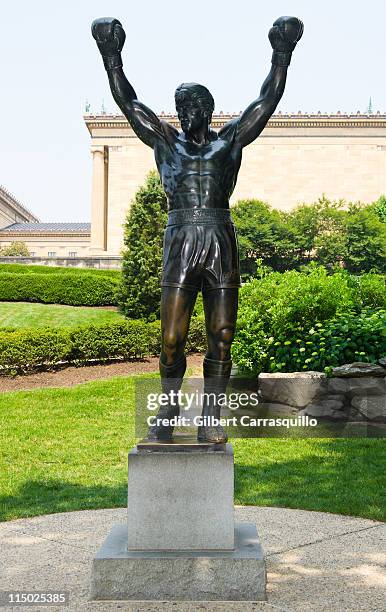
pixel 199 216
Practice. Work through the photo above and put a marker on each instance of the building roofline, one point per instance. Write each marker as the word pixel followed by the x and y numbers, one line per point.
pixel 279 120
pixel 46 229
pixel 20 208
pixel 19 234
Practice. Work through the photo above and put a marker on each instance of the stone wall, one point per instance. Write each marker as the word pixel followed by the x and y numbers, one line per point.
pixel 356 392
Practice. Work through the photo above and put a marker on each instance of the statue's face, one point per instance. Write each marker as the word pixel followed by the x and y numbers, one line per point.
pixel 191 115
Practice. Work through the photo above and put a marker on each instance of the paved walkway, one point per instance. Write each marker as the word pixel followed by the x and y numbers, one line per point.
pixel 316 561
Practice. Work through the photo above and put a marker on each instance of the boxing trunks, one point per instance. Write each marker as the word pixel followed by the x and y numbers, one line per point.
pixel 200 250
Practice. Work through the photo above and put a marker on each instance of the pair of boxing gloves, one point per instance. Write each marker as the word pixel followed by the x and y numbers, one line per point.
pixel 110 38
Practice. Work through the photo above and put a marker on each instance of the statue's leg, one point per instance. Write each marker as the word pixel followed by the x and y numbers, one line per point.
pixel 176 309
pixel 220 315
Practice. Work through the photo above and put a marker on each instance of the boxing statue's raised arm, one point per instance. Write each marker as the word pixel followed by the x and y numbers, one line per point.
pixel 283 36
pixel 110 38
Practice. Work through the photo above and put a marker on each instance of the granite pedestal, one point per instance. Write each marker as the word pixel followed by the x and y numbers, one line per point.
pixel 180 500
pixel 180 542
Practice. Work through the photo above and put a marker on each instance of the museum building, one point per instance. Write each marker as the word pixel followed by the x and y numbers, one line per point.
pixel 296 159
pixel 43 240
pixel 12 211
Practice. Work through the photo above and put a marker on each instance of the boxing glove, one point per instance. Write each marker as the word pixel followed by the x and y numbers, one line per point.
pixel 110 38
pixel 283 36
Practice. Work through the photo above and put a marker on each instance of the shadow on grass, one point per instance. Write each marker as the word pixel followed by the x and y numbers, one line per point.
pixel 340 476
pixel 51 496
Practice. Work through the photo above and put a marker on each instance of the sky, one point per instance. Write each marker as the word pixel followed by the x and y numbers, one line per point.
pixel 50 66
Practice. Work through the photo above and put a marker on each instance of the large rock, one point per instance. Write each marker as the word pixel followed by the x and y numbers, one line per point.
pixel 373 407
pixel 338 397
pixel 366 386
pixel 382 362
pixel 351 370
pixel 293 388
pixel 339 415
pixel 323 408
pixel 266 409
pixel 337 385
pixel 355 416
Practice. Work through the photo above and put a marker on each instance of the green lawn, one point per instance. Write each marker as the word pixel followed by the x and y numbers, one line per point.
pixel 66 449
pixel 25 314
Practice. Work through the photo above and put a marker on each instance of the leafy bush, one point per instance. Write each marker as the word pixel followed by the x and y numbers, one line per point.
pixel 343 339
pixel 294 321
pixel 280 300
pixel 74 289
pixel 26 349
pixel 370 290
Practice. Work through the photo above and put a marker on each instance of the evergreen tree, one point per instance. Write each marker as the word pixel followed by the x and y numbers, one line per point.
pixel 142 255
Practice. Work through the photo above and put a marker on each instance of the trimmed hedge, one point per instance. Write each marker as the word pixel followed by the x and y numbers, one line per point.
pixel 74 289
pixel 36 269
pixel 28 349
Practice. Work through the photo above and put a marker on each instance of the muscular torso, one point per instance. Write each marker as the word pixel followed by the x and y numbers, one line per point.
pixel 198 176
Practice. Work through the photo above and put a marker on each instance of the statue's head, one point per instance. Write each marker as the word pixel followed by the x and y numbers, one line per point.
pixel 194 105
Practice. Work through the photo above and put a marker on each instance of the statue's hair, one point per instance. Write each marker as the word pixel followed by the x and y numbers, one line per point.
pixel 196 93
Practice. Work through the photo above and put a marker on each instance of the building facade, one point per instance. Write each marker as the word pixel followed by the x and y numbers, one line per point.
pixel 43 240
pixel 13 211
pixel 296 159
pixel 49 240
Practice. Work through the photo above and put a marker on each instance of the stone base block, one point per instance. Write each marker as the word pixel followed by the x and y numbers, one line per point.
pixel 238 575
pixel 180 500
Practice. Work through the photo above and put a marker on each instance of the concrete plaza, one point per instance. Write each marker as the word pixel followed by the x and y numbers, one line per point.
pixel 316 561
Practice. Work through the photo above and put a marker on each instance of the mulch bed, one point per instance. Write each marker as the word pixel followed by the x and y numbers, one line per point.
pixel 70 376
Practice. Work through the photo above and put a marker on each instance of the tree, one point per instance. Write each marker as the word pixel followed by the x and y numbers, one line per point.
pixel 264 236
pixel 15 249
pixel 379 207
pixel 304 221
pixel 142 255
pixel 366 240
pixel 330 241
pixel 330 232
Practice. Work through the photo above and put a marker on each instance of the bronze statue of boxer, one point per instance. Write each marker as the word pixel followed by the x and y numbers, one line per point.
pixel 198 169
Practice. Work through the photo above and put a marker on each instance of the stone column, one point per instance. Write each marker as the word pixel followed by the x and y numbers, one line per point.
pixel 99 200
